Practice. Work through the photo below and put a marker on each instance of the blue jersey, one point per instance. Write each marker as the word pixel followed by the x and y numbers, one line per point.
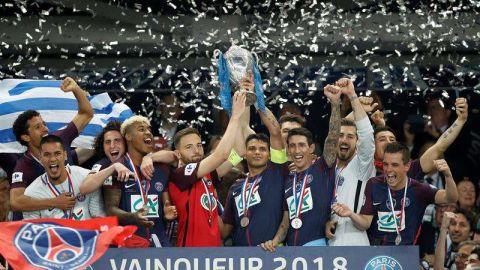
pixel 132 201
pixel 316 202
pixel 265 209
pixel 377 204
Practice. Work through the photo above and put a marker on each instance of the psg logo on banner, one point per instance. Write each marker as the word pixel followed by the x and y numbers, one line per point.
pixel 53 247
pixel 383 263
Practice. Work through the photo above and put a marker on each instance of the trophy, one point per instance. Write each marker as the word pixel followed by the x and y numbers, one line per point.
pixel 233 67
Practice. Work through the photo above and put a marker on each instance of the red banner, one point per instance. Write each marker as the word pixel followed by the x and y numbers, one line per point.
pixel 59 243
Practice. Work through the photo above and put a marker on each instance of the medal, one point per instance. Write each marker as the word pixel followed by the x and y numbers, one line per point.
pixel 246 200
pixel 398 225
pixel 244 222
pixel 398 240
pixel 296 223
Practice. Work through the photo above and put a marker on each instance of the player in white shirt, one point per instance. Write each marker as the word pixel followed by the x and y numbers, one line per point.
pixel 355 165
pixel 59 179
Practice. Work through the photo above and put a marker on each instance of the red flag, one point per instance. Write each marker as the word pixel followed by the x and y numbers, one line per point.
pixel 59 243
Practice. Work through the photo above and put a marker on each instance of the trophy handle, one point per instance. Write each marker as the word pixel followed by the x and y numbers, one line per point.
pixel 216 54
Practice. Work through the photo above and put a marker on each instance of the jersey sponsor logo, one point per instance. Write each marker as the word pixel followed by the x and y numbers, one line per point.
pixel 17 177
pixel 136 204
pixel 108 181
pixel 159 186
pixel 190 168
pixel 44 245
pixel 78 213
pixel 204 201
pixel 386 222
pixel 255 199
pixel 96 168
pixel 307 203
pixel 383 262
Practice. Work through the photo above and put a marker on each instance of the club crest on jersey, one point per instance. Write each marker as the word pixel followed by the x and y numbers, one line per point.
pixel 383 262
pixel 81 198
pixel 205 202
pixel 47 244
pixel 309 178
pixel 159 186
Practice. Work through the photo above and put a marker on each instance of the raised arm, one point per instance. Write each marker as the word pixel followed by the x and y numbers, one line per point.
pixel 163 156
pixel 449 194
pixel 333 94
pixel 273 127
pixel 442 239
pixel 447 138
pixel 347 88
pixel 85 110
pixel 221 153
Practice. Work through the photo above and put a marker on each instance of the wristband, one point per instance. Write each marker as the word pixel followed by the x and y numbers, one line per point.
pixel 234 158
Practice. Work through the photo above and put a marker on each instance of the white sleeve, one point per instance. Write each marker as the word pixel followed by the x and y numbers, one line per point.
pixel 31 215
pixel 95 204
pixel 366 148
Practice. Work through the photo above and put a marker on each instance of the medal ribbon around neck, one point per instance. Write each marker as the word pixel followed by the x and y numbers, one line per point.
pixel 298 203
pixel 56 193
pixel 143 192
pixel 398 226
pixel 246 201
pixel 210 201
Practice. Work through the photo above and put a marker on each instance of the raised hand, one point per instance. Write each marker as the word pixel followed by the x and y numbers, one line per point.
pixel 367 104
pixel 333 93
pixel 447 217
pixel 346 86
pixel 238 106
pixel 123 173
pixel 378 119
pixel 461 108
pixel 69 85
pixel 65 201
pixel 442 166
pixel 247 82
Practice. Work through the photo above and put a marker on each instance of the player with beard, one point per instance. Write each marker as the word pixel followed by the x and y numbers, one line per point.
pixel 395 202
pixel 423 165
pixel 191 185
pixel 29 128
pixel 308 190
pixel 355 153
pixel 132 197
pixel 60 179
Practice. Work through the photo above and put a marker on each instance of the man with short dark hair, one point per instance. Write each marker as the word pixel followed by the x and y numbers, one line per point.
pixel 424 164
pixel 29 128
pixel 308 190
pixel 60 179
pixel 395 202
pixel 355 156
pixel 288 122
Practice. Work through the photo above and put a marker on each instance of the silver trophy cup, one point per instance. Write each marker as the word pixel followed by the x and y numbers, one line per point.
pixel 240 62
